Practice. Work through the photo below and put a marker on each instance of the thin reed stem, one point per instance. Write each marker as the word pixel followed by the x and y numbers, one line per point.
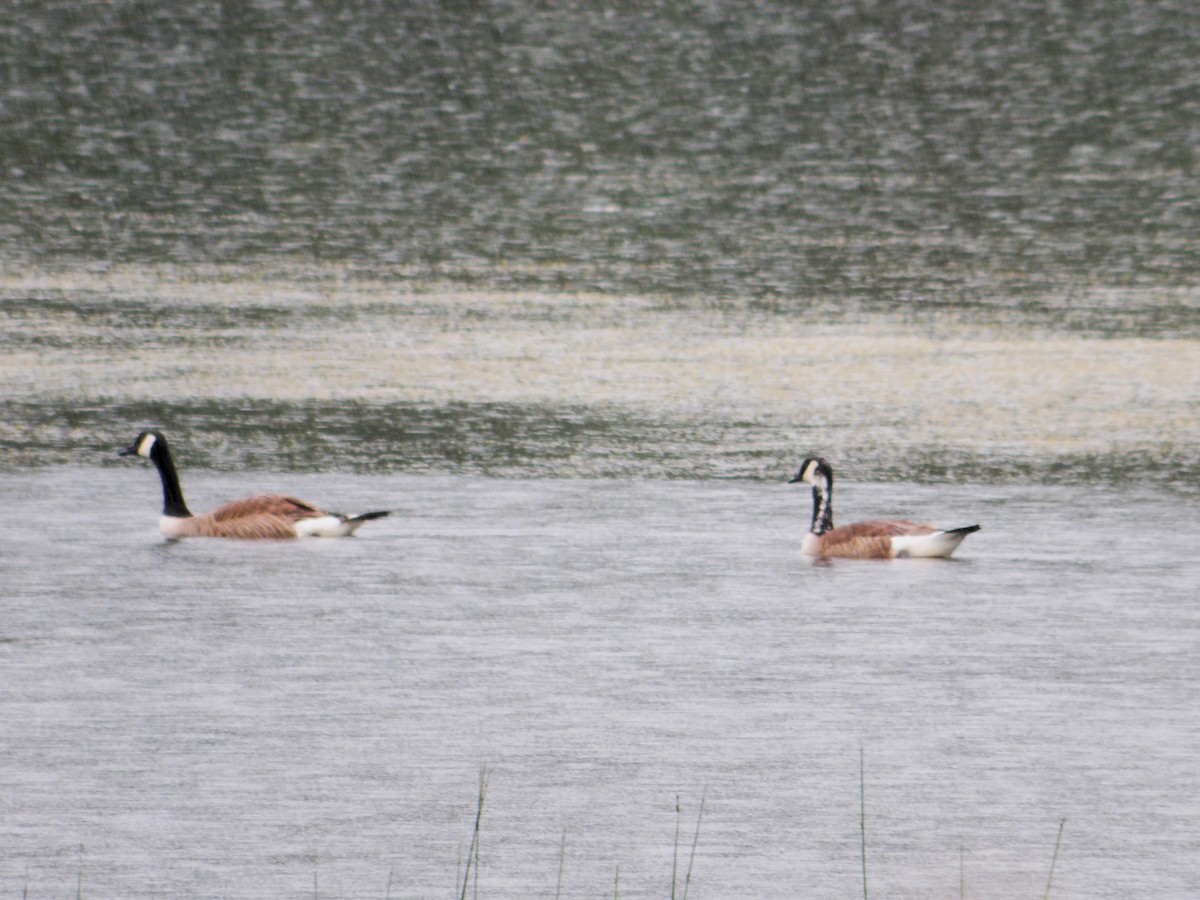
pixel 675 852
pixel 562 858
pixel 687 879
pixel 473 849
pixel 862 817
pixel 1054 859
pixel 475 890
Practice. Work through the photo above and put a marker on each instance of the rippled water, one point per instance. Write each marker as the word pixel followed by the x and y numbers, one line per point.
pixel 658 240
pixel 241 720
pixel 572 289
pixel 329 374
pixel 868 153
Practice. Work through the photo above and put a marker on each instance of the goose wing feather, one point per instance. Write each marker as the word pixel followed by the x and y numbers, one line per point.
pixel 869 540
pixel 288 508
pixel 881 528
pixel 257 526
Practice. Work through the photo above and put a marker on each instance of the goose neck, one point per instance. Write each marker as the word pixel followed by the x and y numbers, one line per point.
pixel 173 503
pixel 822 510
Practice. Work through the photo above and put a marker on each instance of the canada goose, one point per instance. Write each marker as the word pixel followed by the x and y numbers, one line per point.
pixel 879 539
pixel 265 516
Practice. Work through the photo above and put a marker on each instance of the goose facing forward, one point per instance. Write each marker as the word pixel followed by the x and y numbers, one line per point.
pixel 877 539
pixel 264 516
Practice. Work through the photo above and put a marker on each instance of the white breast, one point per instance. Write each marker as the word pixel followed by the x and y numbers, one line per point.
pixel 172 526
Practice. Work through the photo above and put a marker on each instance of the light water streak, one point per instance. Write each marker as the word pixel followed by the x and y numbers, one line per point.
pixel 739 389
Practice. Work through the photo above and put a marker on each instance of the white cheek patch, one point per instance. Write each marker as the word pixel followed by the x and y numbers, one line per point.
pixel 809 471
pixel 146 445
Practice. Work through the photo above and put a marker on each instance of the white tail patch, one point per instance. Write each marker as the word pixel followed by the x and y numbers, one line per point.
pixel 938 545
pixel 325 526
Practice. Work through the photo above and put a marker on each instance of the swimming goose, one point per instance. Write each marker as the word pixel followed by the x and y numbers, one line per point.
pixel 878 539
pixel 265 516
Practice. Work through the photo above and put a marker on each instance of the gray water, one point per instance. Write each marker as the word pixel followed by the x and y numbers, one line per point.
pixel 241 719
pixel 661 239
pixel 573 289
pixel 1033 158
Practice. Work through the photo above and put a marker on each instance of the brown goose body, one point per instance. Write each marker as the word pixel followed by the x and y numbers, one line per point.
pixel 264 516
pixel 873 539
pixel 267 516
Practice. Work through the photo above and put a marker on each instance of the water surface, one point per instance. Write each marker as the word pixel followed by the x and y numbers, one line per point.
pixel 573 290
pixel 236 719
pixel 863 154
pixel 330 374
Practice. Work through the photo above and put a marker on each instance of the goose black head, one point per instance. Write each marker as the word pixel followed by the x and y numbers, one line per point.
pixel 144 445
pixel 815 471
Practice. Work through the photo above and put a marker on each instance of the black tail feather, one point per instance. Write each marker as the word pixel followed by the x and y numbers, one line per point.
pixel 966 529
pixel 379 514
